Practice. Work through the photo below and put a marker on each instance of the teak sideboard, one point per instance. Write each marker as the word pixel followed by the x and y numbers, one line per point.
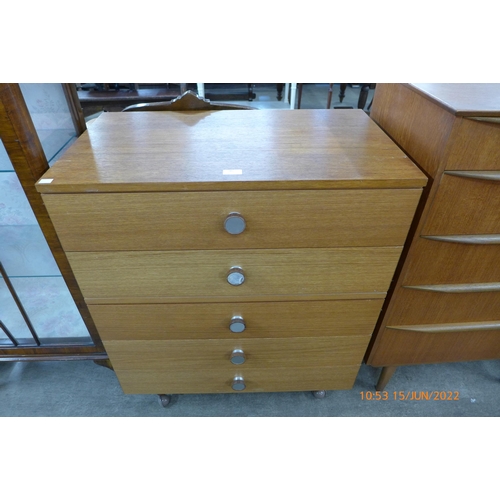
pixel 234 250
pixel 445 302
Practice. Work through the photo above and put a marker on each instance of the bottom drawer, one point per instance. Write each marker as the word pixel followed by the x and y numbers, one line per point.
pixel 165 381
pixel 197 366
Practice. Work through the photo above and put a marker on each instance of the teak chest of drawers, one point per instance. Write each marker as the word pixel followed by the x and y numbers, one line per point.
pixel 233 250
pixel 445 306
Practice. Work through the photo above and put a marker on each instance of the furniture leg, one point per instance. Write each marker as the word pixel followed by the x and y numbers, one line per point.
pixel 363 95
pixel 164 399
pixel 343 86
pixel 385 376
pixel 251 94
pixel 319 394
pixel 299 94
pixel 201 90
pixel 330 92
pixel 279 90
pixel 104 362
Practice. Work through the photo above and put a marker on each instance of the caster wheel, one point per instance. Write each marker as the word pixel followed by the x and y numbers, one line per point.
pixel 164 400
pixel 319 394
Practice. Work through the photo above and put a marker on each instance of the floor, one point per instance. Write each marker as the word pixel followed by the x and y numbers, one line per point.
pixel 82 388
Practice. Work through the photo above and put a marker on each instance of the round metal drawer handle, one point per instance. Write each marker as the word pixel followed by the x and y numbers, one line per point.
pixel 238 357
pixel 234 223
pixel 236 277
pixel 238 384
pixel 237 324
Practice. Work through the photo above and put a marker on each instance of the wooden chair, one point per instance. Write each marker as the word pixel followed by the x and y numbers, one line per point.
pixel 189 101
pixel 363 94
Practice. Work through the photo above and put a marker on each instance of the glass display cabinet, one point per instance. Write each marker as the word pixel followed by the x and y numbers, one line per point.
pixel 42 312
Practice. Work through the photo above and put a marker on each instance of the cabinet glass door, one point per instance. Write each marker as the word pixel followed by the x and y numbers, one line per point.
pixel 36 307
pixel 51 116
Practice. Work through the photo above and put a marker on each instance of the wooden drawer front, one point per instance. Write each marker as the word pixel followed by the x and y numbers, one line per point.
pixel 475 146
pixel 199 274
pixel 213 354
pixel 465 205
pixel 196 381
pixel 274 219
pixel 212 321
pixel 205 366
pixel 436 262
pixel 420 306
pixel 396 347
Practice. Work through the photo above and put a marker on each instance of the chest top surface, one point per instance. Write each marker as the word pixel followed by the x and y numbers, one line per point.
pixel 231 150
pixel 463 99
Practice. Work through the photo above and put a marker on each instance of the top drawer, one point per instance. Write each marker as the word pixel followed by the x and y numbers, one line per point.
pixel 475 146
pixel 195 220
pixel 467 202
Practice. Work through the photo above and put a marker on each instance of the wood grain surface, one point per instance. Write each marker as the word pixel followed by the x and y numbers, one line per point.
pixel 196 273
pixel 462 99
pixel 211 321
pixel 260 353
pixel 406 348
pixel 274 219
pixel 419 126
pixel 274 149
pixel 439 262
pixel 425 307
pixel 465 206
pixel 448 282
pixel 475 146
pixel 166 381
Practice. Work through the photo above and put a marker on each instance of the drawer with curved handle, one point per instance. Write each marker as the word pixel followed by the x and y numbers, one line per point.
pixel 434 304
pixel 453 260
pixel 467 203
pixel 440 344
pixel 475 145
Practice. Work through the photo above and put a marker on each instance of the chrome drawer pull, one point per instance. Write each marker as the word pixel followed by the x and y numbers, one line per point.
pixel 238 357
pixel 458 288
pixel 237 324
pixel 450 327
pixel 486 175
pixel 490 119
pixel 234 223
pixel 476 239
pixel 238 384
pixel 236 277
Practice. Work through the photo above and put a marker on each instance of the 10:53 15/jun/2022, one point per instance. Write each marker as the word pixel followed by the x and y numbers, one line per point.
pixel 410 395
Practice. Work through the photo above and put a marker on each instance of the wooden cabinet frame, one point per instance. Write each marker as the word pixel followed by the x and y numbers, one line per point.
pixel 23 146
